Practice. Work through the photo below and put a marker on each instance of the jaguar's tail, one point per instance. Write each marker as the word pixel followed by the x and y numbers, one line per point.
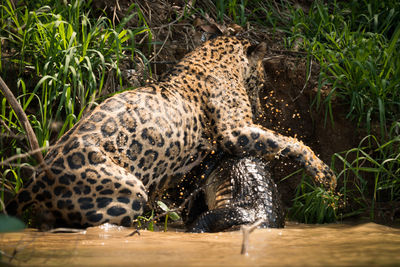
pixel 22 200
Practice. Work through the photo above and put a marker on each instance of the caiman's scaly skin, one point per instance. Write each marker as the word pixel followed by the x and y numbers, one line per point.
pixel 239 191
pixel 111 162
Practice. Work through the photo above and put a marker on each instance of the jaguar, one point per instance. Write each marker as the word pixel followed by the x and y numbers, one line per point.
pixel 135 144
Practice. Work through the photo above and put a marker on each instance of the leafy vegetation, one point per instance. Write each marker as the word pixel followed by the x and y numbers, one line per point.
pixel 356 44
pixel 68 55
pixel 150 220
pixel 357 47
pixel 314 204
pixel 10 224
pixel 372 161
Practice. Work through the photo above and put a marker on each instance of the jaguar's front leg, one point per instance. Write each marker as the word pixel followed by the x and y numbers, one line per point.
pixel 255 140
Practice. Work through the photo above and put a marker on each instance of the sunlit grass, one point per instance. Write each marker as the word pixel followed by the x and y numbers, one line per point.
pixel 67 54
pixel 313 204
pixel 357 46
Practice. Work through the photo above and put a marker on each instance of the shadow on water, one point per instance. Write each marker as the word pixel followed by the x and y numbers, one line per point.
pixel 366 244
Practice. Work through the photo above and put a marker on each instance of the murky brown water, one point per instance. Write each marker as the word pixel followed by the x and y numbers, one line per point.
pixel 297 245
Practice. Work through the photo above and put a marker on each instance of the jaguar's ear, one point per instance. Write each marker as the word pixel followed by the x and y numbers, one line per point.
pixel 257 51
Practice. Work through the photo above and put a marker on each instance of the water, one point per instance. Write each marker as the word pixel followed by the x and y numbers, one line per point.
pixel 366 244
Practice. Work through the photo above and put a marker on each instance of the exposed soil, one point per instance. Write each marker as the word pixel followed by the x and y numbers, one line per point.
pixel 288 99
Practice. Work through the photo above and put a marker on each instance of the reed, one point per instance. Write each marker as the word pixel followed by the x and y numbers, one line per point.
pixel 63 56
pixel 355 42
pixel 371 172
pixel 313 204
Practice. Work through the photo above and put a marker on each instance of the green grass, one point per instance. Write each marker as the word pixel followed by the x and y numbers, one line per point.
pixel 234 9
pixel 361 67
pixel 313 204
pixel 357 46
pixel 63 56
pixel 371 172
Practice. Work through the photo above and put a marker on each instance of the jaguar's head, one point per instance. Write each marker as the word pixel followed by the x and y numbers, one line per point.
pixel 255 74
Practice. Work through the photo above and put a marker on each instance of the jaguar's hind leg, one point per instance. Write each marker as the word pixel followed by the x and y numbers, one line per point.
pixel 116 197
pixel 106 192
